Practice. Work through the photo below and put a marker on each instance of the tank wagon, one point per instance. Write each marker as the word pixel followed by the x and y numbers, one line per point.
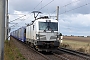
pixel 42 34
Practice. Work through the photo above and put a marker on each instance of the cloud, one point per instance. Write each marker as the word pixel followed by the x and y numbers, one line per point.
pixel 29 5
pixel 17 21
pixel 74 21
pixel 78 24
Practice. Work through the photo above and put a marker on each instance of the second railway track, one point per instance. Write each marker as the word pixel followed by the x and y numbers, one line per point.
pixel 76 53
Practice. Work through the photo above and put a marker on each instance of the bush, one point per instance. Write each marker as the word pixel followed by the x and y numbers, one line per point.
pixel 65 45
pixel 81 50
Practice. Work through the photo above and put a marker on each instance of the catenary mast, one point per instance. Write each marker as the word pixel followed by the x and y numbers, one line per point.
pixel 2 28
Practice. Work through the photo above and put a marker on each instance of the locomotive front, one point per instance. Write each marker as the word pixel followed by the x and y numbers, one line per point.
pixel 47 37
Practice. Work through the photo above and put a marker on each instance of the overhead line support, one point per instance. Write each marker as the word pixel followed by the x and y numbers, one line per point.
pixel 2 28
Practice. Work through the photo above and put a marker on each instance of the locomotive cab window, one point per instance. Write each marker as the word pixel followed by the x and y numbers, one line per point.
pixel 48 26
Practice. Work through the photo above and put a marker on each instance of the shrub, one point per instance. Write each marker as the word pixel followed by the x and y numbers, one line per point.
pixel 81 50
pixel 65 45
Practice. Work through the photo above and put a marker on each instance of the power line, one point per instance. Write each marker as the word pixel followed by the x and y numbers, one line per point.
pixel 46 5
pixel 13 23
pixel 24 15
pixel 75 8
pixel 54 11
pixel 66 5
pixel 12 26
pixel 16 14
pixel 38 4
pixel 17 18
pixel 69 3
pixel 34 8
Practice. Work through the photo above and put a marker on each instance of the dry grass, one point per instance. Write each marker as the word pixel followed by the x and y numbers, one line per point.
pixel 11 52
pixel 77 45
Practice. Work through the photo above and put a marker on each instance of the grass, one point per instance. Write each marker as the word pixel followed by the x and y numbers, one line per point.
pixel 11 52
pixel 77 45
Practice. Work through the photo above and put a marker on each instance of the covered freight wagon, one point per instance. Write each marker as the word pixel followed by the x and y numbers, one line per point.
pixel 22 34
pixel 19 34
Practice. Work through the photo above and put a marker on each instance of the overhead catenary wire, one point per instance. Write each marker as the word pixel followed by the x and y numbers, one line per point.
pixel 38 4
pixel 14 13
pixel 75 8
pixel 17 18
pixel 13 23
pixel 34 8
pixel 66 5
pixel 54 11
pixel 60 7
pixel 69 3
pixel 46 5
pixel 24 15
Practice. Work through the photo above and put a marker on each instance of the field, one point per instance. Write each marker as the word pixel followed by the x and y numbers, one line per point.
pixel 76 38
pixel 81 44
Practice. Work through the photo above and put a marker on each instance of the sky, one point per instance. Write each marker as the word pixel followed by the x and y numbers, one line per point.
pixel 74 15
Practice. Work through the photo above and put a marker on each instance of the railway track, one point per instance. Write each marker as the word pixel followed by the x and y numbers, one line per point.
pixel 38 52
pixel 61 57
pixel 23 46
pixel 48 55
pixel 32 54
pixel 79 54
pixel 54 56
pixel 28 52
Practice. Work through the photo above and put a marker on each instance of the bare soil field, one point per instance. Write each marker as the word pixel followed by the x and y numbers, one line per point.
pixel 81 44
pixel 76 38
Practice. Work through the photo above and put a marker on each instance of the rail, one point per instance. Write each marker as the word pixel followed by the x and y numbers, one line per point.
pixel 80 54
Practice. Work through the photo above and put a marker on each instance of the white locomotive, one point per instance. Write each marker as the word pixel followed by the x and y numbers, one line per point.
pixel 42 34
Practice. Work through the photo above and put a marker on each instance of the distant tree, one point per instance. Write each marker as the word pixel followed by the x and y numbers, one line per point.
pixel 72 35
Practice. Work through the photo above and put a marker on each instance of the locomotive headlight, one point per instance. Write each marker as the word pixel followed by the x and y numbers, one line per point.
pixel 37 36
pixel 58 37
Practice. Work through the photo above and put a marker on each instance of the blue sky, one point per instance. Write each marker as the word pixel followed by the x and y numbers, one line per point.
pixel 75 19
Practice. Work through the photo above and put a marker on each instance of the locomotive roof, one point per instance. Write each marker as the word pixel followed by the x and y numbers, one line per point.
pixel 42 19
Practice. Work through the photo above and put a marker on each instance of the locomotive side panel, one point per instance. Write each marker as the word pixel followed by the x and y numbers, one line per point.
pixel 31 32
